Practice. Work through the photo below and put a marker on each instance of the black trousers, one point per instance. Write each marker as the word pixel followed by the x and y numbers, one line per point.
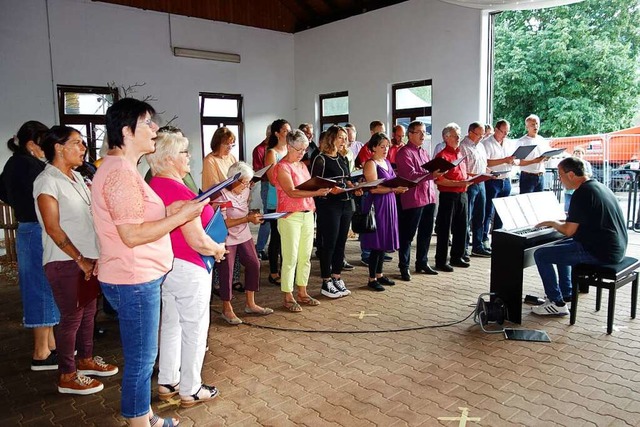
pixel 333 219
pixel 275 256
pixel 452 215
pixel 411 220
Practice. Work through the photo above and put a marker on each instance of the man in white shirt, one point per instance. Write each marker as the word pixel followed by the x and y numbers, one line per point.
pixel 476 158
pixel 532 167
pixel 353 145
pixel 499 159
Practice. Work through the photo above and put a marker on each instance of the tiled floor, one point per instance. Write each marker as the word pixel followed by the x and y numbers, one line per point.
pixel 408 356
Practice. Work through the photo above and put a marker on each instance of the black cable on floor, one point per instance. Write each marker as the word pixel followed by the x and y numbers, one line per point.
pixel 331 331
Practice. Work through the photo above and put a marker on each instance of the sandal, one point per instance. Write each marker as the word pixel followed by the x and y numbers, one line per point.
pixel 292 306
pixel 166 422
pixel 173 390
pixel 196 398
pixel 262 311
pixel 309 300
pixel 274 280
pixel 238 287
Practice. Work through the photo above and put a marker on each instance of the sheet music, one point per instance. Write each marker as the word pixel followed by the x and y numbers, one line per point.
pixel 527 210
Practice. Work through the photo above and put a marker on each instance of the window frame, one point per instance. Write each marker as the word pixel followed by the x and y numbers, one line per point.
pixel 335 119
pixel 412 113
pixel 222 121
pixel 88 120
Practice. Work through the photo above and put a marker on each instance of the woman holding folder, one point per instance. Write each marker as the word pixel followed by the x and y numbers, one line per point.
pixel 240 244
pixel 63 206
pixel 334 211
pixel 186 292
pixel 383 199
pixel 296 230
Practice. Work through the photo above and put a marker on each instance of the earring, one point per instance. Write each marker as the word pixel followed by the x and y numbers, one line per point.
pixel 32 153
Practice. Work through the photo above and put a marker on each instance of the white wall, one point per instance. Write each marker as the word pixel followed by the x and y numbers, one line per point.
pixel 94 43
pixel 414 40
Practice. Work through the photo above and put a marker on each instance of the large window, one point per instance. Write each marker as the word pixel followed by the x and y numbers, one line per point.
pixel 334 109
pixel 83 108
pixel 412 101
pixel 221 110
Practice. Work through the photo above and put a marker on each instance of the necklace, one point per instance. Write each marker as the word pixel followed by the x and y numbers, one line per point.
pixel 74 183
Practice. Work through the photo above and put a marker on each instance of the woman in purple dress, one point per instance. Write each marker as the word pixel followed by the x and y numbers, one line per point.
pixel 385 238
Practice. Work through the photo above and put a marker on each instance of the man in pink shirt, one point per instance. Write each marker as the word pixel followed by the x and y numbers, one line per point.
pixel 418 204
pixel 396 143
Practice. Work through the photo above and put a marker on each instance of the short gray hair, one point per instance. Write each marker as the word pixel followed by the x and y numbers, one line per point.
pixel 297 137
pixel 245 170
pixel 168 147
pixel 450 128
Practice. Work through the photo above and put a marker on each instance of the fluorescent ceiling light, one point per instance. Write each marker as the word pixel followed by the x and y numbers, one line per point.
pixel 206 54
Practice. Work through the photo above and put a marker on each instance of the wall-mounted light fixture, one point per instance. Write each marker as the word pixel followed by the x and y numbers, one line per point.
pixel 206 54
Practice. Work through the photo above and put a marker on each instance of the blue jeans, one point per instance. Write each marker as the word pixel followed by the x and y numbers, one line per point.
pixel 477 200
pixel 265 227
pixel 138 308
pixel 531 183
pixel 564 254
pixel 494 188
pixel 38 305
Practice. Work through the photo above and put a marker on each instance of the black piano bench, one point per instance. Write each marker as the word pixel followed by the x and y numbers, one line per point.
pixel 611 277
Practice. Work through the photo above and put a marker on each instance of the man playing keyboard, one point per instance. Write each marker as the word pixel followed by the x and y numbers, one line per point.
pixel 596 230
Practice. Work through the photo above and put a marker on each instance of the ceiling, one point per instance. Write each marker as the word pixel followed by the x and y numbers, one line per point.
pixel 291 16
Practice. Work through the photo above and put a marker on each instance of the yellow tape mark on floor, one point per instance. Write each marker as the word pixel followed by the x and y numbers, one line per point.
pixel 463 418
pixel 362 315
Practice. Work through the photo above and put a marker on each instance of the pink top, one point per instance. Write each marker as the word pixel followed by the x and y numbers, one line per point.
pixel 120 196
pixel 170 191
pixel 299 174
pixel 239 209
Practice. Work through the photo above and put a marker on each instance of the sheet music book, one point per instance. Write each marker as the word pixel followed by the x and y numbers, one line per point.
pixel 217 230
pixel 257 175
pixel 523 151
pixel 399 181
pixel 214 191
pixel 482 177
pixel 274 215
pixel 441 164
pixel 87 290
pixel 365 185
pixel 527 210
pixel 552 153
pixel 316 183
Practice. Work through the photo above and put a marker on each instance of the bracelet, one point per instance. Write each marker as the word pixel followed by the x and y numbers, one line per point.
pixel 79 258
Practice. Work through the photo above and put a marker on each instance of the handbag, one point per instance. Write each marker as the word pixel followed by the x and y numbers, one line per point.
pixel 364 222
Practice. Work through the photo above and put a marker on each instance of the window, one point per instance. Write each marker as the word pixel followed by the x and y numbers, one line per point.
pixel 221 110
pixel 334 109
pixel 83 108
pixel 412 101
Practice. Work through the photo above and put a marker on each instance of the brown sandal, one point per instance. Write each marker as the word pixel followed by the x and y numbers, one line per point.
pixel 309 300
pixel 292 306
pixel 173 390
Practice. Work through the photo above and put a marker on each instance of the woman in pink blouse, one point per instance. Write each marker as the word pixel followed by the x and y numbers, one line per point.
pixel 296 230
pixel 240 243
pixel 133 228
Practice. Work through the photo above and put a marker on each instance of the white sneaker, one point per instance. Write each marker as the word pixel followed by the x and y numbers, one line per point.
pixel 550 308
pixel 342 288
pixel 329 290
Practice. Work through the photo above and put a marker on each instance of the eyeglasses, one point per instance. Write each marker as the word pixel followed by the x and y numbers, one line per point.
pixel 423 132
pixel 299 150
pixel 229 144
pixel 149 123
pixel 185 152
pixel 479 135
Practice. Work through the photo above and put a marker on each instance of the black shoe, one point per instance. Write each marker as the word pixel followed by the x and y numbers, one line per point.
pixel 263 256
pixel 274 280
pixel 405 275
pixel 375 286
pixel 384 280
pixel 426 269
pixel 466 259
pixel 48 364
pixel 460 263
pixel 346 266
pixel 567 299
pixel 482 253
pixel 444 267
pixel 387 258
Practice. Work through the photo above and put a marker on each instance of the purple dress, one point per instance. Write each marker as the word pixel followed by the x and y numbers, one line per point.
pixel 386 236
